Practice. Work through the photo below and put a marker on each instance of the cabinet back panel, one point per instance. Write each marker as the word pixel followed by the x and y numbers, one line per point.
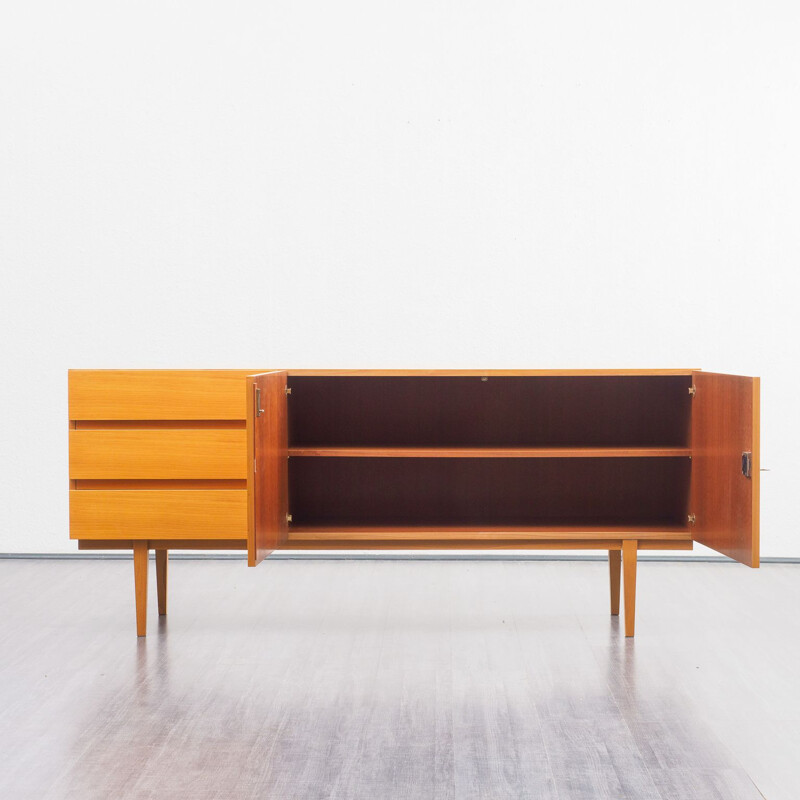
pixel 475 491
pixel 451 411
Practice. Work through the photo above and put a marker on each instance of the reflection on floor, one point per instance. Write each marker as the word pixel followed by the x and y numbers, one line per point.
pixel 379 679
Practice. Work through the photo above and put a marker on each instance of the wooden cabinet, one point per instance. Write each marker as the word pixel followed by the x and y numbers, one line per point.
pixel 332 459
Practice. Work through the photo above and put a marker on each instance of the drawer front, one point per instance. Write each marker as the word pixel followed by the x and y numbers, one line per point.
pixel 158 454
pixel 158 513
pixel 157 394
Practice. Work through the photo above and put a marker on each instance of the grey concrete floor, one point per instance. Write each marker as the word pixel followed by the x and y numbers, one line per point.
pixel 379 679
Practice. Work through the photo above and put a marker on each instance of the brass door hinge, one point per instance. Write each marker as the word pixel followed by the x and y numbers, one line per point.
pixel 691 519
pixel 288 390
pixel 288 518
pixel 692 390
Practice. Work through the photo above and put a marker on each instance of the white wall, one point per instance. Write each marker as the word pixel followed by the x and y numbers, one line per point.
pixel 414 184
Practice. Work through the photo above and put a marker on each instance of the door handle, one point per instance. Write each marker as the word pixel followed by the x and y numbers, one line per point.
pixel 747 464
pixel 259 410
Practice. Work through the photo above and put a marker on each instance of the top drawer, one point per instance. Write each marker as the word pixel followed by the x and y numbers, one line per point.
pixel 157 394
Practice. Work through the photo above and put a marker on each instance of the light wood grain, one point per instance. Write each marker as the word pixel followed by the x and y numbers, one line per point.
pixel 159 513
pixel 157 394
pixel 629 548
pixel 267 465
pixel 483 543
pixel 725 503
pixel 140 568
pixel 158 454
pixel 322 534
pixel 537 544
pixel 169 544
pixel 755 496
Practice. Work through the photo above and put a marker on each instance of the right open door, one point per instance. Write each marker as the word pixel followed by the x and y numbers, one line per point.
pixel 725 465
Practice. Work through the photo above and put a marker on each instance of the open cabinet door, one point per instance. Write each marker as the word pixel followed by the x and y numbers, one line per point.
pixel 267 464
pixel 725 465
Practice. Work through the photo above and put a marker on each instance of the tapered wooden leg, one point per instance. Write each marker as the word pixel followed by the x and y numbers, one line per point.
pixel 161 581
pixel 629 572
pixel 614 560
pixel 140 558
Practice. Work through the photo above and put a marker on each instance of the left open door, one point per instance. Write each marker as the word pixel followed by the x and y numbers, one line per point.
pixel 267 464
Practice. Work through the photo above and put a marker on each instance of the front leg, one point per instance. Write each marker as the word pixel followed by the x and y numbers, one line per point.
pixel 140 563
pixel 629 548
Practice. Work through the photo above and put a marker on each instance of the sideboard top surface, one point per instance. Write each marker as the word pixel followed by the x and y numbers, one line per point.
pixel 218 394
pixel 411 373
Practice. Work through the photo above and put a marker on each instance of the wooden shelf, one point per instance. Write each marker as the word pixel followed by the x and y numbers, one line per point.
pixel 577 531
pixel 491 452
pixel 493 537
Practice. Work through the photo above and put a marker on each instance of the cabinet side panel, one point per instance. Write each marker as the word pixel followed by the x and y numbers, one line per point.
pixel 724 500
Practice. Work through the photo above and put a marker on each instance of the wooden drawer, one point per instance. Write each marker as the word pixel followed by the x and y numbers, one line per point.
pixel 157 394
pixel 158 513
pixel 158 454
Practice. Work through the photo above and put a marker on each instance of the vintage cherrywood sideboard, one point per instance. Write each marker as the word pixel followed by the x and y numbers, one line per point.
pixel 619 460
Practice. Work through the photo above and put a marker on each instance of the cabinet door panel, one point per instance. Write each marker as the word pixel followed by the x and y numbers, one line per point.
pixel 725 446
pixel 267 464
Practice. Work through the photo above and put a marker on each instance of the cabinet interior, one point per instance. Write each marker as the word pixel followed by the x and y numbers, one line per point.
pixel 614 411
pixel 487 491
pixel 371 424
